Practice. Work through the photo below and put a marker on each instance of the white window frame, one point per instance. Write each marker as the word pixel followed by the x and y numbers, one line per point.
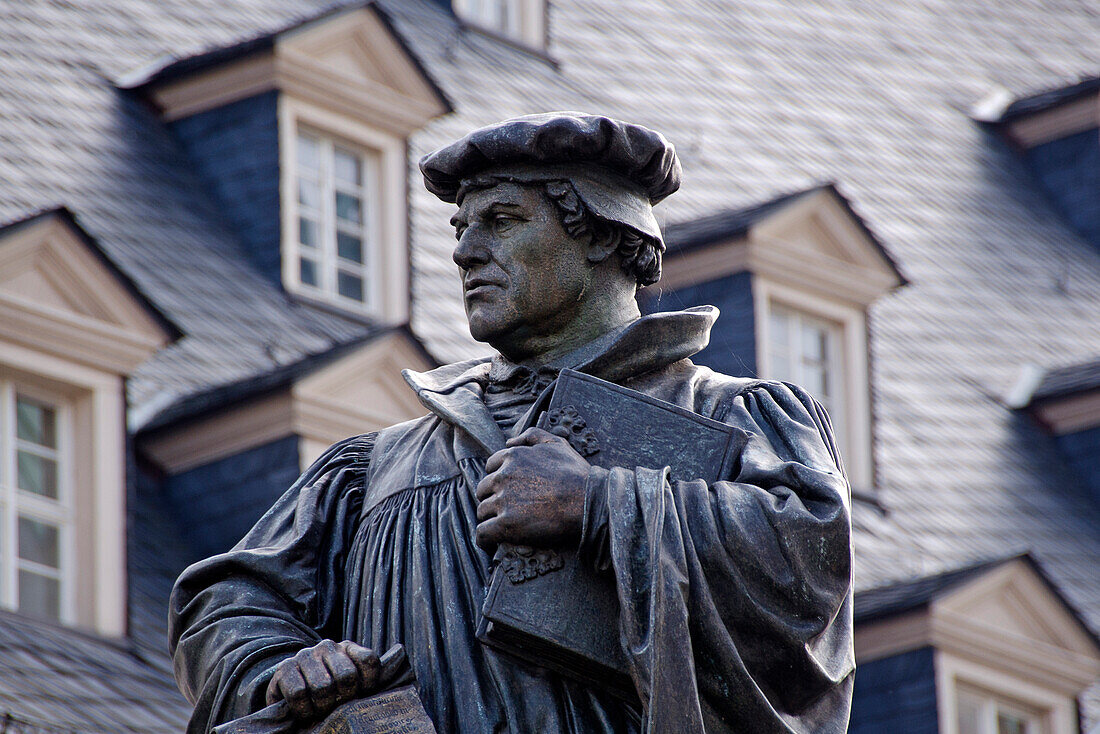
pixel 1052 712
pixel 990 705
pixel 517 20
pixel 385 254
pixel 850 410
pixel 15 502
pixel 326 254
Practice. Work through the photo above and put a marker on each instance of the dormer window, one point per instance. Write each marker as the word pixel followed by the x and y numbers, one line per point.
pixel 806 350
pixel 303 134
pixel 337 219
pixel 518 20
pixel 794 278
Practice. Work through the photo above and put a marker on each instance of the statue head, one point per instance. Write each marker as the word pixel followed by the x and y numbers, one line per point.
pixel 555 225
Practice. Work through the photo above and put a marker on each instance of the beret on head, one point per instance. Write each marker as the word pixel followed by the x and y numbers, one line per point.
pixel 619 169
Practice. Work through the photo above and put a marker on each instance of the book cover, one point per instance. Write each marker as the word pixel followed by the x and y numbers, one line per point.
pixel 544 605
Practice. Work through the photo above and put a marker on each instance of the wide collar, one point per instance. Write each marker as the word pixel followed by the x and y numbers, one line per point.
pixel 454 391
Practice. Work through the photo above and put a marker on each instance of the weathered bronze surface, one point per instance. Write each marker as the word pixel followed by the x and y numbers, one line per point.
pixel 732 587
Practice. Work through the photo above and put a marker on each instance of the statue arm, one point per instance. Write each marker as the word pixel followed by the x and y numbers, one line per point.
pixel 234 617
pixel 736 596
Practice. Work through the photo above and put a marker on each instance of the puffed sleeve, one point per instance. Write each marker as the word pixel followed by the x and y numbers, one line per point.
pixel 736 597
pixel 235 616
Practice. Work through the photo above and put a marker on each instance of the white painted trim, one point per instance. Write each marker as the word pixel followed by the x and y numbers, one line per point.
pixel 349 63
pixel 361 392
pixel 388 256
pixel 75 307
pixel 1006 628
pixel 92 425
pixel 1058 122
pixel 1071 413
pixel 530 29
pixel 1056 711
pixel 853 425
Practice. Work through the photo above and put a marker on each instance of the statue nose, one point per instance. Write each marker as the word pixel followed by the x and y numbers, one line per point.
pixel 472 248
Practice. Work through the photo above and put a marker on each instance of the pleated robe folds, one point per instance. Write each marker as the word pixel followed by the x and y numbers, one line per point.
pixel 736 600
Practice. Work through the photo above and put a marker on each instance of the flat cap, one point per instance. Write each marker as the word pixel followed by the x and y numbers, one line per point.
pixel 619 169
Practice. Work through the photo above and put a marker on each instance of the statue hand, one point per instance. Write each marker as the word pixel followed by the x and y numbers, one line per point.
pixel 320 678
pixel 533 493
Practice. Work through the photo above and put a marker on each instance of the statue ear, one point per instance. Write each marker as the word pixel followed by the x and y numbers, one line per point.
pixel 603 244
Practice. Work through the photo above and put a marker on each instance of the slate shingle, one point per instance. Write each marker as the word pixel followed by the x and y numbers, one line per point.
pixel 761 97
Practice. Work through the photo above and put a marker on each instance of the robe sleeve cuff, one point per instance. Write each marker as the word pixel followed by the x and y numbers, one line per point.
pixel 594 547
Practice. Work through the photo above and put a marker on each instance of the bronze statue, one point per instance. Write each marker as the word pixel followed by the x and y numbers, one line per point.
pixel 734 595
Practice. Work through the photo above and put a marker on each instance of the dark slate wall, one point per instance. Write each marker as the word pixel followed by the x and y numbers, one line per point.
pixel 732 348
pixel 896 694
pixel 217 503
pixel 235 149
pixel 1081 450
pixel 1069 170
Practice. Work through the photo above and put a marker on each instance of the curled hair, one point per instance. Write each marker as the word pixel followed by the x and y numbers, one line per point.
pixel 639 254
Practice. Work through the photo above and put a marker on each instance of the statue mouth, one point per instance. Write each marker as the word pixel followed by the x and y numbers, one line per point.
pixel 475 287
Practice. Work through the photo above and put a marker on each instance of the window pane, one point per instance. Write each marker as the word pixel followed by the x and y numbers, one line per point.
pixel 309 232
pixel 39 596
pixel 814 340
pixel 349 286
pixel 39 542
pixel 813 379
pixel 779 331
pixel 970 714
pixel 1008 723
pixel 346 167
pixel 36 422
pixel 349 247
pixel 307 271
pixel 348 208
pixel 309 193
pixel 37 474
pixel 309 153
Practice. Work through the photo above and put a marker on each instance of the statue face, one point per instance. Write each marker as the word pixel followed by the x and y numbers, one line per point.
pixel 523 276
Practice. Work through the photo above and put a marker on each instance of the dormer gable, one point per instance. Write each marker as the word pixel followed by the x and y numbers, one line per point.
pixel 350 60
pixel 59 293
pixel 1003 641
pixel 792 275
pixel 301 136
pixel 812 239
pixel 72 328
pixel 1057 134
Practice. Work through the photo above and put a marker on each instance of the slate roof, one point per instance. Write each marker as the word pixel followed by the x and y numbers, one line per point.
pixel 59 680
pixel 760 97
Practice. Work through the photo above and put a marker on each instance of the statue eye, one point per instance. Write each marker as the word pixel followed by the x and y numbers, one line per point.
pixel 504 222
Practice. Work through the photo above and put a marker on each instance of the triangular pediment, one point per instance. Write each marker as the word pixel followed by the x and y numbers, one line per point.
pixel 365 386
pixel 820 225
pixel 1016 602
pixel 357 48
pixel 48 265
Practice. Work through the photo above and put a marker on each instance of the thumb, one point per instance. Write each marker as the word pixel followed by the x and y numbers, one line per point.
pixel 533 436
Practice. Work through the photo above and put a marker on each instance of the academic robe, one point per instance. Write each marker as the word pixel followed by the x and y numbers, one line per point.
pixel 736 598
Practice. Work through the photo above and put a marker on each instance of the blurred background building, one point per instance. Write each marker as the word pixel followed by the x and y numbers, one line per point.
pixel 216 255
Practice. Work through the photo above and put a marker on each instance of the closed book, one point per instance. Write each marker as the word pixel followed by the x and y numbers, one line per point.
pixel 549 607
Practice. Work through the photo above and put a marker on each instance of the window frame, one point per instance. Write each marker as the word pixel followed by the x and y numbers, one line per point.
pixel 851 409
pixel 528 28
pixel 388 257
pixel 16 503
pixel 1053 712
pixel 327 253
pixel 991 705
